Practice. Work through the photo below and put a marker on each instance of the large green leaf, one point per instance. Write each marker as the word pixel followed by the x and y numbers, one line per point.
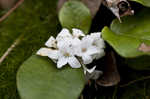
pixel 38 78
pixel 74 14
pixel 143 2
pixel 127 37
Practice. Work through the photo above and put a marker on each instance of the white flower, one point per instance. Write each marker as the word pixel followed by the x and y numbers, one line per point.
pixel 86 49
pixel 77 33
pixel 67 55
pixel 51 42
pixel 64 34
pixel 99 43
pixel 68 48
pixel 53 54
pixel 97 40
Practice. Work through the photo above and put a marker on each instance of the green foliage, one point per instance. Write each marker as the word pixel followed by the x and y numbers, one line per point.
pixel 127 37
pixel 39 78
pixel 139 63
pixel 143 2
pixel 75 14
pixel 36 20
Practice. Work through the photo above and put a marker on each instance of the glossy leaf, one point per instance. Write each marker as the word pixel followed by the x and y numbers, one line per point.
pixel 143 2
pixel 127 37
pixel 38 78
pixel 74 14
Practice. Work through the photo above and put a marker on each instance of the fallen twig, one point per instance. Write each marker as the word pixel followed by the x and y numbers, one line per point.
pixel 16 42
pixel 11 10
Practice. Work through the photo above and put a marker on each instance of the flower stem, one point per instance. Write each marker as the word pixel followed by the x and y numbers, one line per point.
pixel 83 65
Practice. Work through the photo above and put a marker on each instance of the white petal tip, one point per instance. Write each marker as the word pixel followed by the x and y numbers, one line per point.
pixel 51 42
pixel 91 70
pixel 77 32
pixel 42 52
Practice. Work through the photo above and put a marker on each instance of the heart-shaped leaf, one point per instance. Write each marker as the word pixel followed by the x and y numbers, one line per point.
pixel 38 78
pixel 127 37
pixel 78 15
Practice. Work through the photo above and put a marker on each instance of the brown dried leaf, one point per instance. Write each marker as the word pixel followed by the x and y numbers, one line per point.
pixel 6 4
pixel 144 48
pixel 93 5
pixel 111 76
pixel 60 4
pixel 119 8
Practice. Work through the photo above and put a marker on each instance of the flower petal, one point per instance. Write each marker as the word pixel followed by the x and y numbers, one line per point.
pixel 43 51
pixel 91 70
pixel 100 54
pixel 73 62
pixel 67 42
pixel 53 54
pixel 61 62
pixel 96 35
pixel 99 43
pixel 87 59
pixel 51 42
pixel 77 33
pixel 63 35
pixel 92 50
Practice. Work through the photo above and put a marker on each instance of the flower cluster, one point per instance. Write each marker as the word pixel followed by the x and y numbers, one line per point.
pixel 74 48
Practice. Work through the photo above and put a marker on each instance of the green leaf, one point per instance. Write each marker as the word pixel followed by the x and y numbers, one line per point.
pixel 139 63
pixel 143 2
pixel 38 78
pixel 75 14
pixel 127 37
